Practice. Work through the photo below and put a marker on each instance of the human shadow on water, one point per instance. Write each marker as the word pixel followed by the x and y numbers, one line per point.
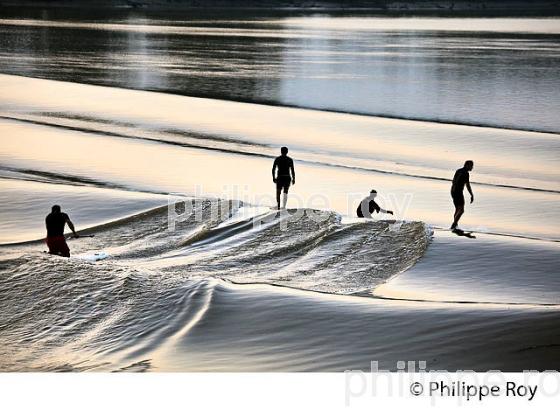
pixel 460 232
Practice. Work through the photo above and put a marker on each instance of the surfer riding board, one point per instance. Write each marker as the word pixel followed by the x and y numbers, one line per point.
pixel 460 180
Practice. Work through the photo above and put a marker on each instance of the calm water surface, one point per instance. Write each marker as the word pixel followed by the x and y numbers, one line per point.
pixel 498 72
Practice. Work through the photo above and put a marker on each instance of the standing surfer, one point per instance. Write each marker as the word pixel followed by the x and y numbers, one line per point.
pixel 56 222
pixel 461 179
pixel 285 177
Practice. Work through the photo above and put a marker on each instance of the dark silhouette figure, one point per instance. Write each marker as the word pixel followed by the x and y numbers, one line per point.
pixel 286 175
pixel 368 206
pixel 56 222
pixel 461 179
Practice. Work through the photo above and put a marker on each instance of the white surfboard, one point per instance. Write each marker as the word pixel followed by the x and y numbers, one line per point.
pixel 94 257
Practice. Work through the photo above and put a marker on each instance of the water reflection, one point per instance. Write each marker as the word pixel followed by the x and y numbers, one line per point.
pixel 502 73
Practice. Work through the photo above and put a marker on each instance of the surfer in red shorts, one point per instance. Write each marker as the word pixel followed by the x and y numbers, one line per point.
pixel 55 222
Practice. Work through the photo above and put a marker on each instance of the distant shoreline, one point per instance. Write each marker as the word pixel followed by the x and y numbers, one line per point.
pixel 480 8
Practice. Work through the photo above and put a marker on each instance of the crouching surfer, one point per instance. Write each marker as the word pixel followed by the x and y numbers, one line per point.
pixel 368 206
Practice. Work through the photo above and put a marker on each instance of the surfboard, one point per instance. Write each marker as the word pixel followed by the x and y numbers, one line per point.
pixel 460 232
pixel 94 257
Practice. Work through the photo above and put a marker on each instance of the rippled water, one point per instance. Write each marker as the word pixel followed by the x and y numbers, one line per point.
pixel 167 300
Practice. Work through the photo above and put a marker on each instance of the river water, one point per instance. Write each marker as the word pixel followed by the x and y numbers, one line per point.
pixel 115 115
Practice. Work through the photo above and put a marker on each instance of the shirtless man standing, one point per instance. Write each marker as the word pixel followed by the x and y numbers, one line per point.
pixel 286 176
pixel 460 180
